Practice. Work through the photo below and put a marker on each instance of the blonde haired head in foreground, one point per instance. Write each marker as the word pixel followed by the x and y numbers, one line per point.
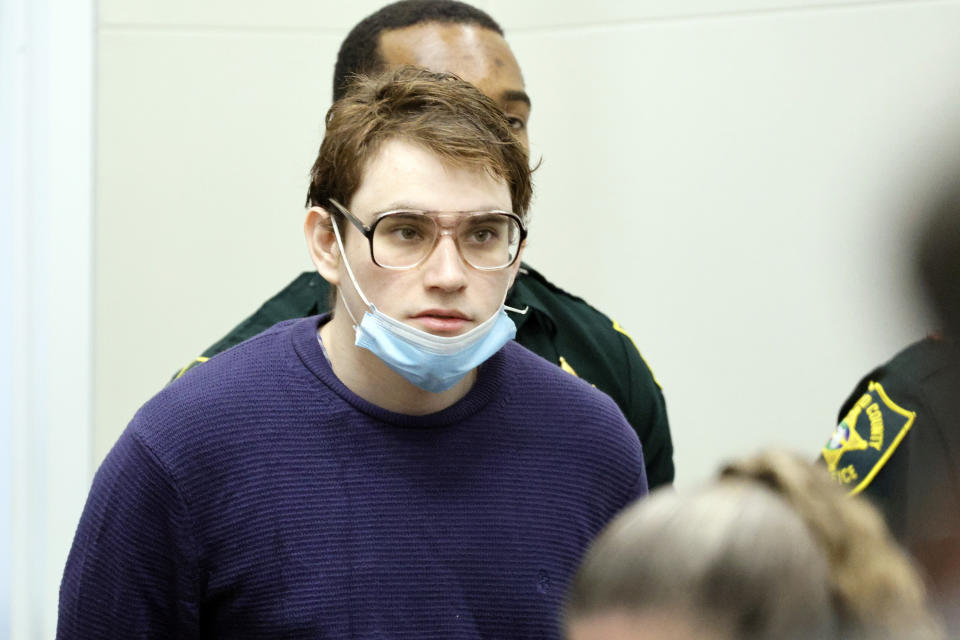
pixel 771 549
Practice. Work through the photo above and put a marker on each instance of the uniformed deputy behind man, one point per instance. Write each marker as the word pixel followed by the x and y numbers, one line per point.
pixel 898 440
pixel 458 38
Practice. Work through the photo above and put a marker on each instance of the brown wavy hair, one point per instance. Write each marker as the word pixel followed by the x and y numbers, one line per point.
pixel 438 111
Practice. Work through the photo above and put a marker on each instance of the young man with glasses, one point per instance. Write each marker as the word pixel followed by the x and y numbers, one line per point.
pixel 444 35
pixel 398 469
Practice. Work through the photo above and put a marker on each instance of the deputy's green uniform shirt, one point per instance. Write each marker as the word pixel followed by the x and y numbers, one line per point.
pixel 558 326
pixel 898 442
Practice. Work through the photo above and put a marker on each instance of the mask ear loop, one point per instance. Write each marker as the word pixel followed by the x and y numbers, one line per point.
pixel 353 280
pixel 503 304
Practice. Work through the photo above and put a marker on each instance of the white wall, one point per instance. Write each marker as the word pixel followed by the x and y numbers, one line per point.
pixel 731 180
pixel 46 300
pixel 736 189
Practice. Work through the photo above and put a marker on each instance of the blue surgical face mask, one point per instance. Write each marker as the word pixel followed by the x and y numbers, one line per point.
pixel 433 363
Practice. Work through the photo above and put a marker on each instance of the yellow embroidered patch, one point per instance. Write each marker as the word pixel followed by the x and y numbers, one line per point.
pixel 866 438
pixel 196 361
pixel 618 328
pixel 566 366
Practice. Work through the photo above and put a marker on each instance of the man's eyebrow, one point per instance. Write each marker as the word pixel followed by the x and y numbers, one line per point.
pixel 398 206
pixel 413 209
pixel 515 95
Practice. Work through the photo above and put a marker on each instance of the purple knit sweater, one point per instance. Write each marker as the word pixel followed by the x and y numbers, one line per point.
pixel 257 497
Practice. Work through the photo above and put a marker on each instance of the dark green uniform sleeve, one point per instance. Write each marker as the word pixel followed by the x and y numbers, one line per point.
pixel 567 331
pixel 307 295
pixel 898 441
pixel 560 327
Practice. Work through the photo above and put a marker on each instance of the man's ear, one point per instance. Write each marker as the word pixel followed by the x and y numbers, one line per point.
pixel 322 244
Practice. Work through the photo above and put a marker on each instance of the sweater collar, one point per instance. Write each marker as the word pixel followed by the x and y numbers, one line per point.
pixel 491 382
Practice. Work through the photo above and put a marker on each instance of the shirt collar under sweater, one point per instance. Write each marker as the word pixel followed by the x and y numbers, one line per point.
pixel 494 382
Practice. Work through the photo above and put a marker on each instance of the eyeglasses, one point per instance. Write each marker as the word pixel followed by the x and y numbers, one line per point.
pixel 402 239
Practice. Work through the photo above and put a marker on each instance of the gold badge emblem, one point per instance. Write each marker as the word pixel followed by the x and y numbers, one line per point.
pixel 866 438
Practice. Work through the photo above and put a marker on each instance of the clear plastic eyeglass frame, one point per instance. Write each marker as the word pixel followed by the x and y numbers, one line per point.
pixel 369 230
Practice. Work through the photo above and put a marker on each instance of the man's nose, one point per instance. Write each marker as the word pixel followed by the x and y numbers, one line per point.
pixel 445 269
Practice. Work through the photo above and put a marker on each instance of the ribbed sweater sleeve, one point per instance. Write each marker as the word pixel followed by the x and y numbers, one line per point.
pixel 132 572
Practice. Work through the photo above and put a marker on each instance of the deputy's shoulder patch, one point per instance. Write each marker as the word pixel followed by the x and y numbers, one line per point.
pixel 566 366
pixel 866 438
pixel 619 329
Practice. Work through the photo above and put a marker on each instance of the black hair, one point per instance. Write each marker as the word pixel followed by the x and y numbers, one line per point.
pixel 360 51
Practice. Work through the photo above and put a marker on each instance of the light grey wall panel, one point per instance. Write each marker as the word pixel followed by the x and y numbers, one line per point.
pixel 577 14
pixel 528 14
pixel 226 14
pixel 205 145
pixel 737 194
